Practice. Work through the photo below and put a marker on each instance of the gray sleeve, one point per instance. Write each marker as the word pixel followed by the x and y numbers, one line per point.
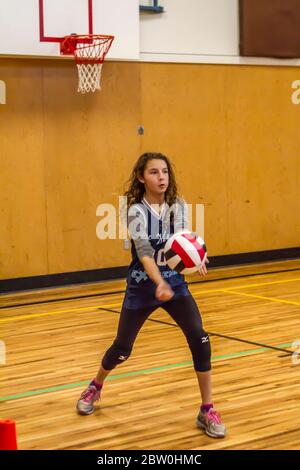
pixel 137 228
pixel 181 220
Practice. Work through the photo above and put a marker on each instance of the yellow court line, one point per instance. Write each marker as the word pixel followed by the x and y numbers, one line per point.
pixel 265 284
pixel 209 291
pixel 272 299
pixel 56 312
pixel 212 291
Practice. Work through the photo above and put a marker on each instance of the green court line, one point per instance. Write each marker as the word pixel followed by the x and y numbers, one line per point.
pixel 139 372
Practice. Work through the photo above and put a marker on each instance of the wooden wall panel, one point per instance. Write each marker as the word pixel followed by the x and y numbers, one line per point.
pixel 92 142
pixel 183 113
pixel 233 134
pixel 263 159
pixel 23 237
pixel 63 154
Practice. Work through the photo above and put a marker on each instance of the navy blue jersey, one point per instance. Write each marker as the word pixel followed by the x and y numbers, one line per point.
pixel 150 231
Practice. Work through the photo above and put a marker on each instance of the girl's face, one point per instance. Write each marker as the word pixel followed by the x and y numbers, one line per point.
pixel 155 177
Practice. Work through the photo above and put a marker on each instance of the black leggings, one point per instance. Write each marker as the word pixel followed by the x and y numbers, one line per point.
pixel 184 312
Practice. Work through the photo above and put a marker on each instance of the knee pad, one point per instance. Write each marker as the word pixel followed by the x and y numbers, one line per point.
pixel 199 344
pixel 115 355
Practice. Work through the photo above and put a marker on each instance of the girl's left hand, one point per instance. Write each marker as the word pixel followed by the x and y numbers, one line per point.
pixel 203 269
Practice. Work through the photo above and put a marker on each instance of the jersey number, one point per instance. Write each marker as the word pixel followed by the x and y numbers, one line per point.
pixel 160 258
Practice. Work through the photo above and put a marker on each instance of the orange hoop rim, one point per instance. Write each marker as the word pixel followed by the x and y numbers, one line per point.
pixel 96 46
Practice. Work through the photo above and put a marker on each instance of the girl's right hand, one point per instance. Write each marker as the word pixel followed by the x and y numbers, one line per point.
pixel 164 292
pixel 203 269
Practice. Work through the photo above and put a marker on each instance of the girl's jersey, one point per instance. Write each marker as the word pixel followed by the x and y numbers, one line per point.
pixel 149 232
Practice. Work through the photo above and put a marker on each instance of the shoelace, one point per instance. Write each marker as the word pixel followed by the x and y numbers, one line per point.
pixel 214 415
pixel 88 393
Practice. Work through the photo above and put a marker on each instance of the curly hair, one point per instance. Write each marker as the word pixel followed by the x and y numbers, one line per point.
pixel 136 189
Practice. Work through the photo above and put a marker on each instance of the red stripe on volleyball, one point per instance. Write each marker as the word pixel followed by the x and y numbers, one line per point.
pixel 201 253
pixel 191 238
pixel 188 262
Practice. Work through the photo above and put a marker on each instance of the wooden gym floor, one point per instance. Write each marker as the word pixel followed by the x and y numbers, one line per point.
pixel 55 338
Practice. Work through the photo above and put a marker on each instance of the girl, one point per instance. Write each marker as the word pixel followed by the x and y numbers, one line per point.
pixel 151 284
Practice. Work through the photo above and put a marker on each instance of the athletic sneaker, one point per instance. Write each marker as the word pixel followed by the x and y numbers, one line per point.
pixel 85 404
pixel 211 423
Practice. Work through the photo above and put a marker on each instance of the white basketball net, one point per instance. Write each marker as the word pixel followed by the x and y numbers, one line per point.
pixel 89 54
pixel 89 77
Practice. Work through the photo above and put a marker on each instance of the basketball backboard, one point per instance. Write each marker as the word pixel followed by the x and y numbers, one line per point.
pixel 33 27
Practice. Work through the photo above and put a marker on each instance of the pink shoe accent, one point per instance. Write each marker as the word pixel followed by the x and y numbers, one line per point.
pixel 214 416
pixel 88 394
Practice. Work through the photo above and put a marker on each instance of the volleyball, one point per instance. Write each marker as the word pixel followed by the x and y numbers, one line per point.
pixel 185 252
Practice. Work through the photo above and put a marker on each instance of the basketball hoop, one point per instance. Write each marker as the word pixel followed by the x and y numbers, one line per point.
pixel 89 51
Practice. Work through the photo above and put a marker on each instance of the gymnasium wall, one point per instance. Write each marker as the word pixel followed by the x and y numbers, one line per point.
pixel 191 31
pixel 231 131
pixel 208 31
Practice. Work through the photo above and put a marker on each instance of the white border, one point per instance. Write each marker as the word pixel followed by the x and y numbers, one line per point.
pixel 217 59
